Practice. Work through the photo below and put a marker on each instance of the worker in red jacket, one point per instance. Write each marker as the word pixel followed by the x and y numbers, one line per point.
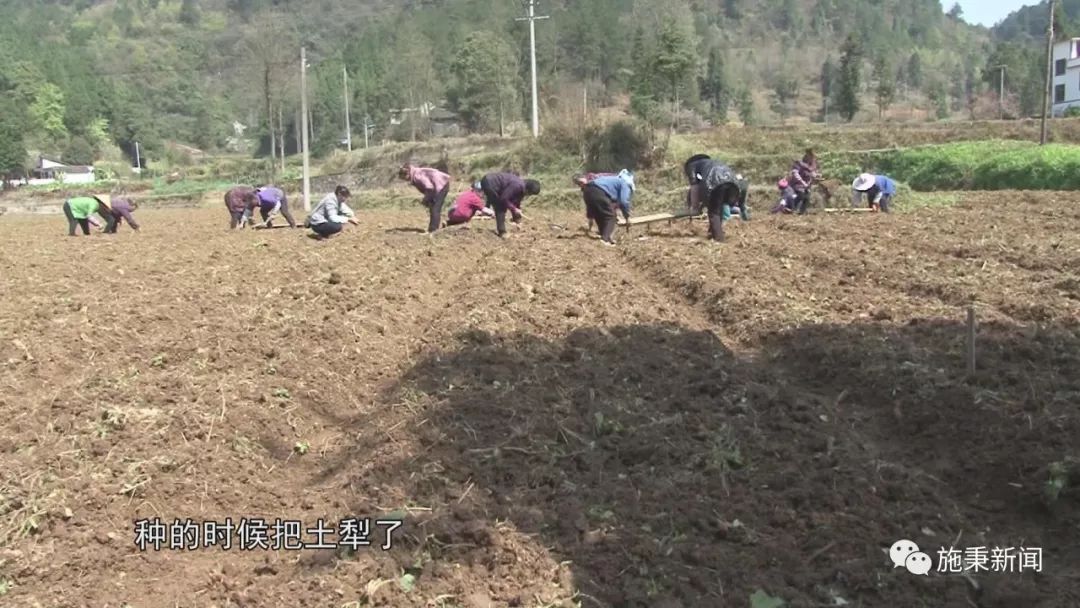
pixel 467 205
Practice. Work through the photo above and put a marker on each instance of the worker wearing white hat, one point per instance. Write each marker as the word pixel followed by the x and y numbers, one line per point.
pixel 879 191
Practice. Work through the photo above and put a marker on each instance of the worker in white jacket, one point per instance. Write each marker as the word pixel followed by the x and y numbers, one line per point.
pixel 331 214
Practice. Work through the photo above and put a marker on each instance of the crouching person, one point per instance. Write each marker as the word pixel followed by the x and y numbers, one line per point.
pixel 467 205
pixel 789 199
pixel 331 214
pixel 879 191
pixel 604 198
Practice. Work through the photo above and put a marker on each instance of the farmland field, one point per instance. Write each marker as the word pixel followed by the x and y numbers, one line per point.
pixel 667 423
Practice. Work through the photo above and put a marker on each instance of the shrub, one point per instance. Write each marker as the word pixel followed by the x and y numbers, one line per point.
pixel 627 144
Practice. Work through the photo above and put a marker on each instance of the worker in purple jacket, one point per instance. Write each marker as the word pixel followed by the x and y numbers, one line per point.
pixel 270 201
pixel 236 201
pixel 804 173
pixel 122 209
pixel 507 191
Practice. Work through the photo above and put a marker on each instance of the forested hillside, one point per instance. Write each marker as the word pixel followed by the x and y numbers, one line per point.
pixel 80 78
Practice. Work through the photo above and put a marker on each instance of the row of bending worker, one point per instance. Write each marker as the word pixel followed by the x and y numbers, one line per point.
pixel 503 193
pixel 80 212
pixel 242 201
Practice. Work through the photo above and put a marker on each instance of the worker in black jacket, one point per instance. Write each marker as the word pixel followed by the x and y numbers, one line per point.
pixel 717 186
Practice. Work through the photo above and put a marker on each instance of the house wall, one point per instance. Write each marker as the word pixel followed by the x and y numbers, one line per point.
pixel 1069 52
pixel 73 178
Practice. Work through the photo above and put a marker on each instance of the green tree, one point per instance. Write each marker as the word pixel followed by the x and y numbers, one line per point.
pixel 828 84
pixel 12 147
pixel 938 95
pixel 47 111
pixel 269 47
pixel 714 85
pixel 485 74
pixel 914 71
pixel 785 88
pixel 886 85
pixel 412 62
pixel 849 80
pixel 674 57
pixel 747 111
pixel 733 9
pixel 78 151
pixel 956 13
pixel 97 133
pixel 189 12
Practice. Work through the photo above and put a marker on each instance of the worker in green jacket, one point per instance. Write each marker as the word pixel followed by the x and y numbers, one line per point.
pixel 79 209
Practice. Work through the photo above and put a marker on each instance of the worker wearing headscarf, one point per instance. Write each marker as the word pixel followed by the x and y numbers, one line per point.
pixel 604 197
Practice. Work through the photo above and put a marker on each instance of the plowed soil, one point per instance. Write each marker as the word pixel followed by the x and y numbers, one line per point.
pixel 667 423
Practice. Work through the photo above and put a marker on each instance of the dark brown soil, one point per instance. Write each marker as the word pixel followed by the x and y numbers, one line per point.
pixel 667 423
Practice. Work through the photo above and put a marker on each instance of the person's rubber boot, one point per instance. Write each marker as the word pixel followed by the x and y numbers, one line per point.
pixel 744 213
pixel 726 213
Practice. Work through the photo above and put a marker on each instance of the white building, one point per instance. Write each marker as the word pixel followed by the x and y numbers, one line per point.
pixel 48 171
pixel 1066 84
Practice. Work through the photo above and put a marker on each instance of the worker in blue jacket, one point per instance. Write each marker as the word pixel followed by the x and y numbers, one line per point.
pixel 604 197
pixel 879 191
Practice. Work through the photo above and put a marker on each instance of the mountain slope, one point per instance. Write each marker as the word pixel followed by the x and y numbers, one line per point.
pixel 85 74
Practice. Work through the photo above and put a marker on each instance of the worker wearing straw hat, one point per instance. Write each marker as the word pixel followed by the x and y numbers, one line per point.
pixel 79 209
pixel 879 191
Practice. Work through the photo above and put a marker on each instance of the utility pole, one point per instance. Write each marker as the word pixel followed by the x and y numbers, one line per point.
pixel 367 123
pixel 1049 72
pixel 1001 92
pixel 304 127
pixel 532 18
pixel 281 130
pixel 585 101
pixel 348 128
pixel 138 159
